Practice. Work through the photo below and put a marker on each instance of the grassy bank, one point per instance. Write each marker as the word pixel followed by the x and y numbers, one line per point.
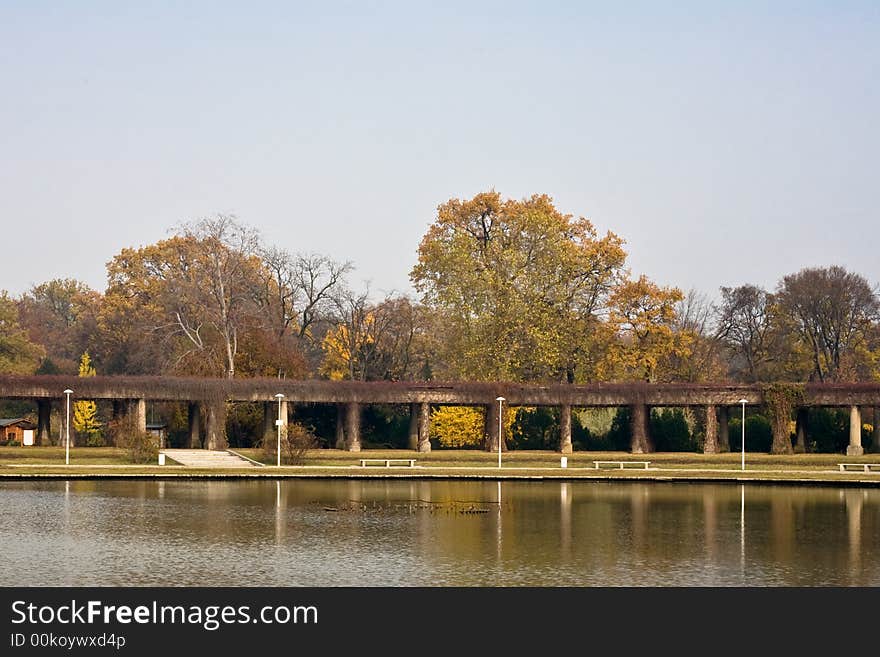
pixel 17 462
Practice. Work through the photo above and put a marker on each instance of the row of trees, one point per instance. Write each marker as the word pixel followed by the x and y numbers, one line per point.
pixel 509 290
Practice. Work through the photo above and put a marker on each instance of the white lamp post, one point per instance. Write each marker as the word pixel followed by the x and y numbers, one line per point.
pixel 500 401
pixel 278 423
pixel 743 402
pixel 67 392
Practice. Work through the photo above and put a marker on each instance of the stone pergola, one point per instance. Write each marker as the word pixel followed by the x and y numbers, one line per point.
pixel 206 401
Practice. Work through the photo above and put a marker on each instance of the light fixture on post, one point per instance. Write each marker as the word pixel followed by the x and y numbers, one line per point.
pixel 500 401
pixel 743 402
pixel 278 424
pixel 67 392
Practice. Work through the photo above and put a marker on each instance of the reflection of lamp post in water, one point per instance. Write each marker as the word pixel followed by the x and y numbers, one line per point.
pixel 279 396
pixel 742 529
pixel 743 402
pixel 500 401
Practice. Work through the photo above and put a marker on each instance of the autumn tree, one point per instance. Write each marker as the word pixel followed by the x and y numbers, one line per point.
pixel 61 315
pixel 18 355
pixel 216 291
pixel 518 287
pixel 194 293
pixel 85 412
pixel 644 316
pixel 833 312
pixel 374 341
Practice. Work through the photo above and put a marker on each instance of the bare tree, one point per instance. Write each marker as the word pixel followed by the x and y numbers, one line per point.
pixel 216 282
pixel 833 311
pixel 695 317
pixel 745 325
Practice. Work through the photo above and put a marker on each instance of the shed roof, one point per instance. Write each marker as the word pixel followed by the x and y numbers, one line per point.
pixel 13 421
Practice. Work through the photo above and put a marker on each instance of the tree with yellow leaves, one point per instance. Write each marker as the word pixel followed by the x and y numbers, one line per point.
pixel 643 314
pixel 85 412
pixel 519 288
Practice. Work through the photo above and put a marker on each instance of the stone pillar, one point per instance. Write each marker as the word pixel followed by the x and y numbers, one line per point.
pixel 44 410
pixel 424 427
pixel 340 427
pixel 875 435
pixel 565 429
pixel 855 432
pixel 724 429
pixel 641 440
pixel 285 412
pixel 710 444
pixel 194 424
pixel 413 440
pixel 138 409
pixel 215 425
pixel 490 427
pixel 800 445
pixel 269 432
pixel 353 426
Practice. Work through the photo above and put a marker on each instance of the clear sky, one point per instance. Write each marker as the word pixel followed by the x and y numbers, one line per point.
pixel 727 143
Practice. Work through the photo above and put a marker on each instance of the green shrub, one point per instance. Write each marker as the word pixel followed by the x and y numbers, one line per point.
pixel 827 430
pixel 759 434
pixel 670 432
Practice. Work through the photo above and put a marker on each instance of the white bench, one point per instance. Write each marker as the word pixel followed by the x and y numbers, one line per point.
pixel 864 467
pixel 388 462
pixel 621 464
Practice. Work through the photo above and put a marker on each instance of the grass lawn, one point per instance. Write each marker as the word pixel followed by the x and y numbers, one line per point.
pixel 109 461
pixel 548 459
pixel 55 456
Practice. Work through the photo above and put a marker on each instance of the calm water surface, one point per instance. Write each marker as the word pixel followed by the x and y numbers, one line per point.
pixel 446 533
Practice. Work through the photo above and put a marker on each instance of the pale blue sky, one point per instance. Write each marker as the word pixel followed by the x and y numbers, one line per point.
pixel 727 143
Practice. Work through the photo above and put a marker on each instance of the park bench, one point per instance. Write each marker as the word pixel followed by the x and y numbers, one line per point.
pixel 621 464
pixel 388 462
pixel 864 467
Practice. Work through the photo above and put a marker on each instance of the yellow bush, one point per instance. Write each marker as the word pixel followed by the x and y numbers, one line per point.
pixel 457 426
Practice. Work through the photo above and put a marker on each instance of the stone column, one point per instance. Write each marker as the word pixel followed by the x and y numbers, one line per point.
pixel 875 435
pixel 641 440
pixel 491 427
pixel 413 441
pixel 269 432
pixel 424 427
pixel 710 444
pixel 138 409
pixel 724 429
pixel 44 410
pixel 565 429
pixel 855 432
pixel 215 425
pixel 340 427
pixel 193 412
pixel 800 445
pixel 353 426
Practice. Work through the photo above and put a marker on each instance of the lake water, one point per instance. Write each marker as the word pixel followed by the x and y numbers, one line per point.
pixel 435 533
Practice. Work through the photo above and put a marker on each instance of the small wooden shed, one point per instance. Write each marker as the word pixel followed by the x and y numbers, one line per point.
pixel 17 430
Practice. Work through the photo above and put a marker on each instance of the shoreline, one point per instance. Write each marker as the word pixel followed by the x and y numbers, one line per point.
pixel 657 475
